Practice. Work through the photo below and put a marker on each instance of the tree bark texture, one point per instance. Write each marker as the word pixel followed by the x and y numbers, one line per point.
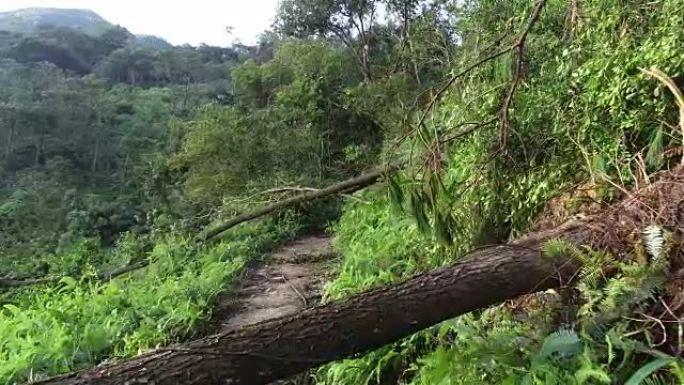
pixel 263 352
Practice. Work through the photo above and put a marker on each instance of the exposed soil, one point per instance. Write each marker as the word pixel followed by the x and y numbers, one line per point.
pixel 288 280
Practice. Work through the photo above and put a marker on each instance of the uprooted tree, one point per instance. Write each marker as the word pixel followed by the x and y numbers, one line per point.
pixel 261 353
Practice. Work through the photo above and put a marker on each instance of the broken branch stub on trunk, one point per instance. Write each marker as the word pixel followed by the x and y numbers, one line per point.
pixel 264 352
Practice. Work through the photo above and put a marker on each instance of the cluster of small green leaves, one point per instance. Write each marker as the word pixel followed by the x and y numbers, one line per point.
pixel 76 324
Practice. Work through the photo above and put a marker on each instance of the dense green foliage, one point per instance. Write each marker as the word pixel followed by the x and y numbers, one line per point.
pixel 112 153
pixel 289 125
pixel 77 324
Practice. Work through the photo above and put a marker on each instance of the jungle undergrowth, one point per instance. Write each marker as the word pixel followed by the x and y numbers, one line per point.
pixel 76 324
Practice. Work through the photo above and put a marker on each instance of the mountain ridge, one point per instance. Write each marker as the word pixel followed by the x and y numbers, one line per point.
pixel 29 20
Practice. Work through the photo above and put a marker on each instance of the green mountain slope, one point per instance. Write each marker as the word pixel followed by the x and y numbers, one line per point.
pixel 149 41
pixel 28 20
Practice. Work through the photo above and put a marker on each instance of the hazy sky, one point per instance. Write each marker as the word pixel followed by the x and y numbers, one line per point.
pixel 178 21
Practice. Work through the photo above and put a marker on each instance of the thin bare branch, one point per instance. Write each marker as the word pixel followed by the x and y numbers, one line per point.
pixel 519 47
pixel 102 277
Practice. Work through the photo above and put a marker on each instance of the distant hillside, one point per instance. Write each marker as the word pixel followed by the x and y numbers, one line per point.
pixel 29 21
pixel 149 41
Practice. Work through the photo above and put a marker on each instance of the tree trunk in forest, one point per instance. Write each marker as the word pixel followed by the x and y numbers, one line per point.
pixel 9 147
pixel 264 352
pixel 267 351
pixel 96 149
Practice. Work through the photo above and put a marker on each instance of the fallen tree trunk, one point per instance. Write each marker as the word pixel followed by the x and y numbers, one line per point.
pixel 346 187
pixel 261 353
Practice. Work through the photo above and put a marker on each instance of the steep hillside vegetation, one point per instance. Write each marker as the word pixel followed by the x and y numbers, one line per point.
pixel 492 118
pixel 73 40
pixel 30 21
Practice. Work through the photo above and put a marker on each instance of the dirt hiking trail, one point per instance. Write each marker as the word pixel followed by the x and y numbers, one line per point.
pixel 287 280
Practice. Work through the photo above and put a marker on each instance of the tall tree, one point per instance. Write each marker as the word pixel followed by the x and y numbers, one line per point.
pixel 350 21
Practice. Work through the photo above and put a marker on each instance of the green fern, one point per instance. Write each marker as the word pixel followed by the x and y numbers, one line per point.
pixel 556 248
pixel 657 380
pixel 593 262
pixel 583 376
pixel 562 343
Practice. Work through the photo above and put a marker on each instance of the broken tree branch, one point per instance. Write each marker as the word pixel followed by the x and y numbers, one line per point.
pixel 348 186
pixel 343 188
pixel 102 277
pixel 672 86
pixel 519 47
pixel 301 189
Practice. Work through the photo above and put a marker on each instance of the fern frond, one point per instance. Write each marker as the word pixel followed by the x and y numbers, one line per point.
pixel 556 248
pixel 591 275
pixel 654 239
pixel 583 375
pixel 564 343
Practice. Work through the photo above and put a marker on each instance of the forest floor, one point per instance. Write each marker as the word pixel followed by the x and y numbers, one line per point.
pixel 288 280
